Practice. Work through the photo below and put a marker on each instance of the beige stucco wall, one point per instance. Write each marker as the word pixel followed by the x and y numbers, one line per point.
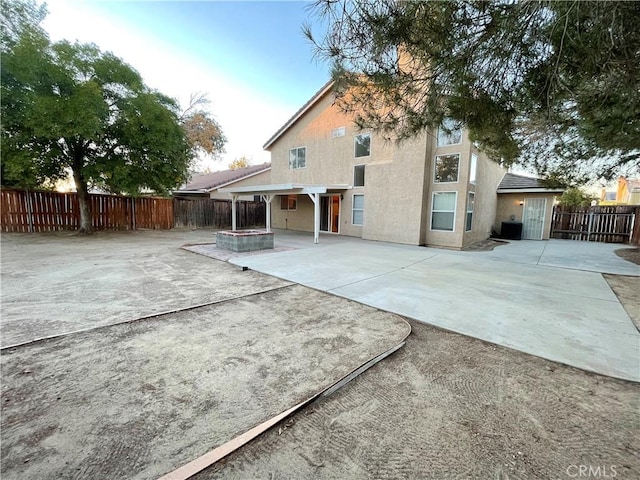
pixel 394 195
pixel 509 207
pixel 300 219
pixel 262 178
pixel 394 176
pixel 398 181
pixel 488 177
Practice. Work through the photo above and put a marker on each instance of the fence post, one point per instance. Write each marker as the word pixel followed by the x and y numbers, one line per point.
pixel 590 227
pixel 133 212
pixel 29 212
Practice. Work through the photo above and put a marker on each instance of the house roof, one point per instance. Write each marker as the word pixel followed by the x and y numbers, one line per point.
pixel 212 181
pixel 512 183
pixel 287 188
pixel 296 116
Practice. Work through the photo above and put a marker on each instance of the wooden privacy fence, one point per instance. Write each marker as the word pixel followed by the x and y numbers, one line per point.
pixel 38 211
pixel 214 213
pixel 611 224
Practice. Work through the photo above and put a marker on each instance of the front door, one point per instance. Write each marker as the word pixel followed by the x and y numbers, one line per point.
pixel 330 213
pixel 533 218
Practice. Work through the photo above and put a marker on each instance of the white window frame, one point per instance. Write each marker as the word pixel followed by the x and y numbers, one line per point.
pixel 473 169
pixel 364 173
pixel 447 136
pixel 435 164
pixel 455 208
pixel 291 167
pixel 338 132
pixel 354 209
pixel 468 227
pixel 288 197
pixel 355 143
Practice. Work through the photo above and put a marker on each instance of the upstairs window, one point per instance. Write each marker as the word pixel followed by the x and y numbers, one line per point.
pixel 449 133
pixel 288 202
pixel 358 176
pixel 298 157
pixel 473 168
pixel 338 132
pixel 363 145
pixel 446 168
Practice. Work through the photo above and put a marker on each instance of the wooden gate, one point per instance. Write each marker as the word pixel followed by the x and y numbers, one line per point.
pixel 611 224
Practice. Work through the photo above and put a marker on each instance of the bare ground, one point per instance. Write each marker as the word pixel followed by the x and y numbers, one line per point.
pixel 447 406
pixel 630 254
pixel 140 399
pixel 444 406
pixel 59 282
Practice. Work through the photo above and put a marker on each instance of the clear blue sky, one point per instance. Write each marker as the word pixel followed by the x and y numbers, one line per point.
pixel 259 44
pixel 250 57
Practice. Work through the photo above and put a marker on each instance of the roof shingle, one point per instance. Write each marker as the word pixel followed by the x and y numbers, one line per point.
pixel 511 181
pixel 210 181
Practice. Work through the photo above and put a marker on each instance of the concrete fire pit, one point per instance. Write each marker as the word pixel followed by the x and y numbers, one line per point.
pixel 244 240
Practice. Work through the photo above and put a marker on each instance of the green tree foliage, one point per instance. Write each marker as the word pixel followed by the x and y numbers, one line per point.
pixel 575 197
pixel 19 18
pixel 553 84
pixel 70 107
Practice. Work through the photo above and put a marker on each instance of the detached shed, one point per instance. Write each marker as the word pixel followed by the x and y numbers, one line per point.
pixel 527 200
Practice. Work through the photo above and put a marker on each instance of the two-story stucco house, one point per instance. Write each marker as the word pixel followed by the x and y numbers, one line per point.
pixel 327 175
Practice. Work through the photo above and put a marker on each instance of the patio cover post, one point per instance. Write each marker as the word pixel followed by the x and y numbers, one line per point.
pixel 267 199
pixel 234 197
pixel 315 197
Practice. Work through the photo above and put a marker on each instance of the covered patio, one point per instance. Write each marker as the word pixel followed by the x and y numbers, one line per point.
pixel 268 192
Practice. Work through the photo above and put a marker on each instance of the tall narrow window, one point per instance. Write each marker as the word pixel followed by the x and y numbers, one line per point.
pixel 446 168
pixel 443 211
pixel 298 157
pixel 357 217
pixel 449 133
pixel 472 168
pixel 358 176
pixel 363 145
pixel 470 203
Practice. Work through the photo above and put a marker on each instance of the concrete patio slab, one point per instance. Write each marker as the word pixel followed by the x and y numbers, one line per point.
pixel 589 256
pixel 512 296
pixel 574 255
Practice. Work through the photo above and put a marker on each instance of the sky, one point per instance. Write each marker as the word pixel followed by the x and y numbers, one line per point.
pixel 250 58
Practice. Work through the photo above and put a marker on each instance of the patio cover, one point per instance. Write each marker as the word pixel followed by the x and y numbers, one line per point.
pixel 267 192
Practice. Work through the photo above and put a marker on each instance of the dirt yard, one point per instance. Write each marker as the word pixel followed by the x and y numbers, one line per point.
pixel 630 254
pixel 447 406
pixel 136 399
pixel 60 282
pixel 140 399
